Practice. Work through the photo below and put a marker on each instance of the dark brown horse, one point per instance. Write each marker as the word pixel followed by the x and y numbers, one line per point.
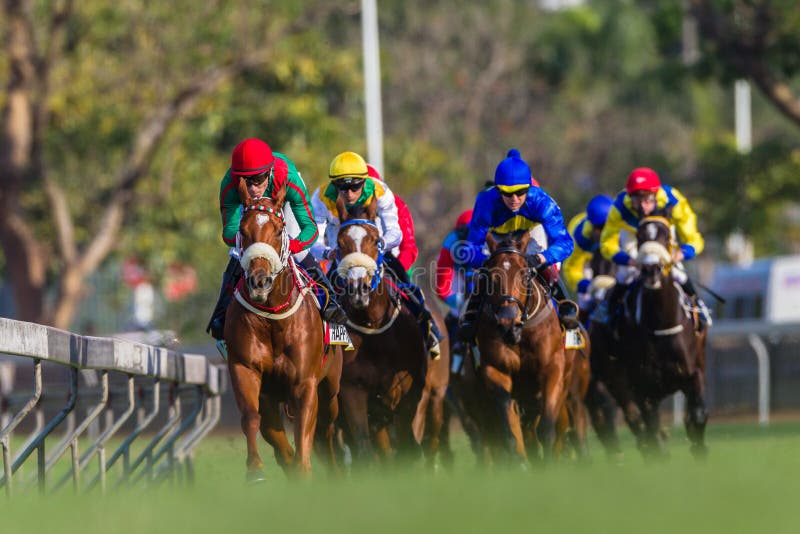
pixel 658 348
pixel 274 334
pixel 387 382
pixel 523 365
pixel 576 414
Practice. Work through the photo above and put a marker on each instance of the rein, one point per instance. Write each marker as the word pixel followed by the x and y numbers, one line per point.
pixel 264 250
pixel 526 310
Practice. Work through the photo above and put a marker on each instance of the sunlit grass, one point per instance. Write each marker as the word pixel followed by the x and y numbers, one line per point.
pixel 748 484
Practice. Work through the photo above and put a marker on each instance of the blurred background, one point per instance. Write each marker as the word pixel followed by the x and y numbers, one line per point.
pixel 118 119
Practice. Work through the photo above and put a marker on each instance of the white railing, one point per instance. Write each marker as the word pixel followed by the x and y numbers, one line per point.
pixel 167 454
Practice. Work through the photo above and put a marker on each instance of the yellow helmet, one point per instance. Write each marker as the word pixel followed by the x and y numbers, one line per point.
pixel 348 165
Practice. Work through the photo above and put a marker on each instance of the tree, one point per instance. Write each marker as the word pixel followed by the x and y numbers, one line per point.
pixel 93 92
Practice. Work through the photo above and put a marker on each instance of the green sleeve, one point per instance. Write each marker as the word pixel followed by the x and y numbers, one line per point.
pixel 229 207
pixel 297 198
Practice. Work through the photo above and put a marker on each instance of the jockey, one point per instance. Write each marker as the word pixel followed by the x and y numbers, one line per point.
pixel 511 205
pixel 644 195
pixel 407 250
pixel 451 268
pixel 265 172
pixel 350 180
pixel 585 230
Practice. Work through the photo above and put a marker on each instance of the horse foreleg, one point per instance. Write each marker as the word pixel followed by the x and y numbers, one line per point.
pixel 273 432
pixel 306 402
pixel 354 406
pixel 432 441
pixel 324 443
pixel 246 385
pixel 653 441
pixel 602 411
pixel 498 385
pixel 697 415
pixel 553 402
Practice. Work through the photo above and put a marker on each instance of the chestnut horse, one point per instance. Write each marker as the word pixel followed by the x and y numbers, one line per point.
pixel 658 348
pixel 523 364
pixel 575 410
pixel 274 334
pixel 387 381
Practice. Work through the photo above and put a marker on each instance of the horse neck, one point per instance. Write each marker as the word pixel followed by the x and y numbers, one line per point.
pixel 378 308
pixel 282 288
pixel 659 307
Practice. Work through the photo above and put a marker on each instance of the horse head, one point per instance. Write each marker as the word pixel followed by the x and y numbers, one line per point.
pixel 655 244
pixel 360 252
pixel 509 284
pixel 263 242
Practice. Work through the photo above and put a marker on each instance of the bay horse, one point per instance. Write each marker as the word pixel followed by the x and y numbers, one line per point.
pixel 392 396
pixel 658 348
pixel 575 416
pixel 524 371
pixel 274 334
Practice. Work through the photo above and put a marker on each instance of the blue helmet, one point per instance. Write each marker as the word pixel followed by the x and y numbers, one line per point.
pixel 597 209
pixel 512 173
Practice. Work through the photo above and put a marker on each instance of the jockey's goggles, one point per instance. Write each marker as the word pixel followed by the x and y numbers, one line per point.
pixel 517 193
pixel 257 179
pixel 349 184
pixel 643 196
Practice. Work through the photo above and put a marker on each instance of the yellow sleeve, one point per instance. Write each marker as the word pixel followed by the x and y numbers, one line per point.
pixel 609 238
pixel 685 221
pixel 572 268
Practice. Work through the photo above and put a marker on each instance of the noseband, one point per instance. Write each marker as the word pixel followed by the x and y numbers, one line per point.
pixel 278 261
pixel 378 269
pixel 525 309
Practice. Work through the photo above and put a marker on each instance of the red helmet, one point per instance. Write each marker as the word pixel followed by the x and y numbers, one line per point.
pixel 250 157
pixel 464 218
pixel 372 172
pixel 642 179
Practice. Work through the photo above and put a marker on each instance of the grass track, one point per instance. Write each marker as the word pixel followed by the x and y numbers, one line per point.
pixel 748 484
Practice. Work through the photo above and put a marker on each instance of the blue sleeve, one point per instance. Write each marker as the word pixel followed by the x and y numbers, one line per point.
pixel 478 228
pixel 581 241
pixel 688 251
pixel 560 244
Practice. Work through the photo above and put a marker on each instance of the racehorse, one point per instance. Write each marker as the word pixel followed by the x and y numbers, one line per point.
pixel 575 412
pixel 658 348
pixel 387 381
pixel 274 334
pixel 600 404
pixel 523 365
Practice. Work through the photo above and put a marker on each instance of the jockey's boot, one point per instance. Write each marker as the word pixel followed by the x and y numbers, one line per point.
pixel 416 303
pixel 702 310
pixel 468 325
pixel 567 309
pixel 607 311
pixel 216 326
pixel 333 312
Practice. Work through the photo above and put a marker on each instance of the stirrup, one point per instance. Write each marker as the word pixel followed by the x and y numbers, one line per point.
pixel 222 347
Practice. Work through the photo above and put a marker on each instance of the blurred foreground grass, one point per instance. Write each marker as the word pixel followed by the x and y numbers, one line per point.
pixel 749 483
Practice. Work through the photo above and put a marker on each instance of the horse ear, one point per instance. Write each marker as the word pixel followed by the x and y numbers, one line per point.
pixel 372 209
pixel 341 209
pixel 244 195
pixel 491 241
pixel 279 196
pixel 523 242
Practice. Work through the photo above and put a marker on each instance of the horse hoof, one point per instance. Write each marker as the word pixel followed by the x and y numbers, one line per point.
pixel 256 477
pixel 700 452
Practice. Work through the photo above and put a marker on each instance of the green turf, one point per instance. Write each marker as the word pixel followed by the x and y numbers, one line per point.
pixel 748 484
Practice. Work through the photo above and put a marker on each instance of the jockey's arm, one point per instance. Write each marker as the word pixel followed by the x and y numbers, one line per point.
pixel 324 220
pixel 560 243
pixel 230 209
pixel 685 221
pixel 297 198
pixel 408 251
pixel 609 238
pixel 478 228
pixel 387 211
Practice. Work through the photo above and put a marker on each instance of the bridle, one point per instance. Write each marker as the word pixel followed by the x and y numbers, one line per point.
pixel 525 308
